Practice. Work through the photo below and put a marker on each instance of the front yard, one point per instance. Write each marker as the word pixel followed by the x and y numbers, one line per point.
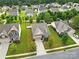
pixel 55 40
pixel 26 45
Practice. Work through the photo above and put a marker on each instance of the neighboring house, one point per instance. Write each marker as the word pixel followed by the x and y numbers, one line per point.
pixel 67 6
pixel 24 7
pixel 61 26
pixel 14 11
pixel 39 30
pixel 70 3
pixel 35 8
pixel 76 6
pixel 54 7
pixel 47 5
pixel 11 31
pixel 29 12
pixel 6 8
pixel 41 8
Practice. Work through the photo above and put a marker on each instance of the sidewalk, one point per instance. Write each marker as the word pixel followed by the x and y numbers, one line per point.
pixel 18 55
pixel 52 50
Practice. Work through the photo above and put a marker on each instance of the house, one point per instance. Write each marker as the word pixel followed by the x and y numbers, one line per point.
pixel 35 7
pixel 54 7
pixel 39 30
pixel 10 31
pixel 29 12
pixel 47 5
pixel 76 6
pixel 14 11
pixel 6 8
pixel 70 3
pixel 24 7
pixel 67 6
pixel 61 26
pixel 41 8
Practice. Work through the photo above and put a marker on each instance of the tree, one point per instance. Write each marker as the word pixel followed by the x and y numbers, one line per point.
pixel 40 17
pixel 47 17
pixel 64 39
pixel 75 21
pixel 13 47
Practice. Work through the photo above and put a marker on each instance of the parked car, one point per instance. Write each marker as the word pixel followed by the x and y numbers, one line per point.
pixel 76 36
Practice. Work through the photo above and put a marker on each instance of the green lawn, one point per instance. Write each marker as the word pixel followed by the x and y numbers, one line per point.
pixel 55 41
pixel 77 32
pixel 26 45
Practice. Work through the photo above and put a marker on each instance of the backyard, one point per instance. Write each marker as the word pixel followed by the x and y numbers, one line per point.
pixel 55 41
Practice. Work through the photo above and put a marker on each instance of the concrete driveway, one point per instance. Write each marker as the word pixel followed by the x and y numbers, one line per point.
pixel 40 47
pixel 3 49
pixel 70 33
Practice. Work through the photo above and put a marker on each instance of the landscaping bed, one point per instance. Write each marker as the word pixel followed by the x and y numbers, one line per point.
pixel 26 44
pixel 55 40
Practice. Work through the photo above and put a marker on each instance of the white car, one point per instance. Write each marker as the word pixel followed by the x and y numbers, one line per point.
pixel 76 36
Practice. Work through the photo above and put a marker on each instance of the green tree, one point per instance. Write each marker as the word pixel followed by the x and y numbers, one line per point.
pixel 13 47
pixel 64 39
pixel 75 21
pixel 40 17
pixel 47 17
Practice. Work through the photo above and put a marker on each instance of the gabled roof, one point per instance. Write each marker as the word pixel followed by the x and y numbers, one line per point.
pixel 6 29
pixel 29 11
pixel 4 32
pixel 38 32
pixel 54 5
pixel 40 28
pixel 13 12
pixel 35 6
pixel 13 28
pixel 61 26
pixel 41 7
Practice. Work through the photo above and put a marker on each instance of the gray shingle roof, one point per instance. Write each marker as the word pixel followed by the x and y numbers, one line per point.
pixel 13 12
pixel 42 7
pixel 61 26
pixel 40 27
pixel 29 12
pixel 8 27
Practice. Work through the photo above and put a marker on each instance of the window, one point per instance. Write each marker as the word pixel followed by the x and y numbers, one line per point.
pixel 14 35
